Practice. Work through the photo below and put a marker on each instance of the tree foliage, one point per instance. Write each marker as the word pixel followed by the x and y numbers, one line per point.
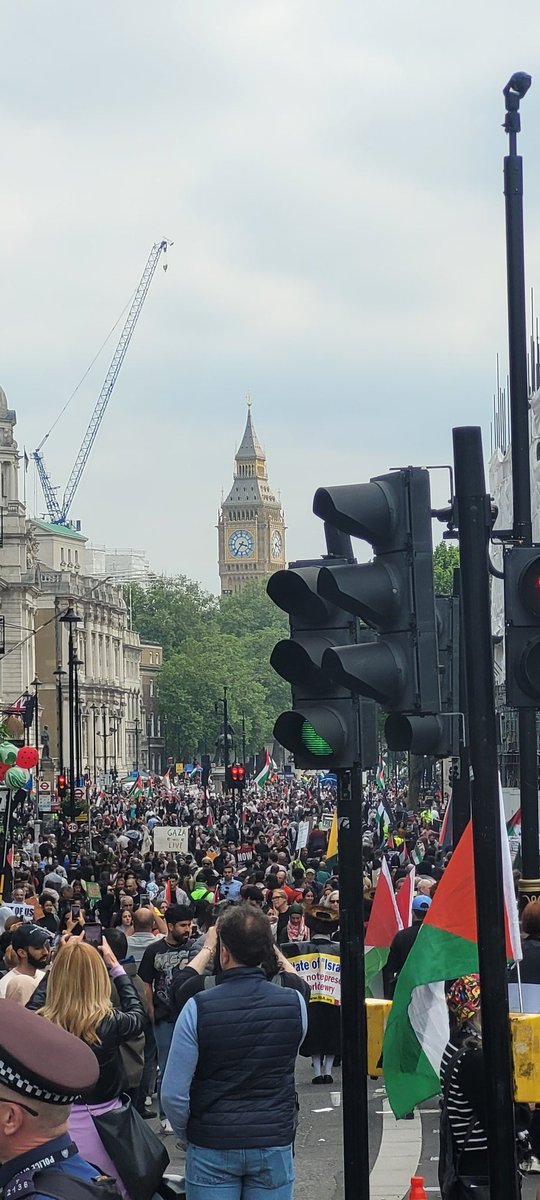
pixel 208 644
pixel 445 560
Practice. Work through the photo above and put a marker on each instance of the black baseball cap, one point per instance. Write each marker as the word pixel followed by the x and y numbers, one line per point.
pixel 30 935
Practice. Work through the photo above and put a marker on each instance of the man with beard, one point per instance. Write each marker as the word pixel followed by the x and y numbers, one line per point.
pixel 31 945
pixel 156 971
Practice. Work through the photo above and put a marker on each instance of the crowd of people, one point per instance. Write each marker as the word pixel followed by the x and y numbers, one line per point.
pixel 179 971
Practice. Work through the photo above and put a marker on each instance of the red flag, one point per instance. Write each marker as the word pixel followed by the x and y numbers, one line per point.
pixel 404 899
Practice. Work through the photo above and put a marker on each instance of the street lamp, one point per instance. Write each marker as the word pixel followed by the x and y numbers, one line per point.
pixel 94 709
pixel 137 733
pixel 77 662
pixel 59 715
pixel 104 736
pixel 36 684
pixel 70 619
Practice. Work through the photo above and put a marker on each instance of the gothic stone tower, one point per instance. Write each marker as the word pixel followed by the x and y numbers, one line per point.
pixel 251 525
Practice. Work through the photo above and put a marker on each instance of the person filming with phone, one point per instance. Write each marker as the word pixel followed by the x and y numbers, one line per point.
pixel 78 998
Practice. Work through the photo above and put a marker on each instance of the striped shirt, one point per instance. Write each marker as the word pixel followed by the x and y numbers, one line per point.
pixel 464 1097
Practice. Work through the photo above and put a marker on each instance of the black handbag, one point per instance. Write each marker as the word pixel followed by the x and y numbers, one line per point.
pixel 136 1151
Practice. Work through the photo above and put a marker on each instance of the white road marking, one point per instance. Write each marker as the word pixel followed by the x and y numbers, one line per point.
pixel 402 1153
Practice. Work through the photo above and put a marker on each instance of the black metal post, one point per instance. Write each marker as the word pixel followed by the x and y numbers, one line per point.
pixel 60 716
pixel 461 783
pixel 474 517
pixel 353 1009
pixel 136 743
pixel 520 436
pixel 77 662
pixel 243 739
pixel 70 619
pixel 36 685
pixel 104 715
pixel 94 736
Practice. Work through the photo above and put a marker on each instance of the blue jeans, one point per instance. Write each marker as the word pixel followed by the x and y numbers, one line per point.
pixel 163 1031
pixel 239 1174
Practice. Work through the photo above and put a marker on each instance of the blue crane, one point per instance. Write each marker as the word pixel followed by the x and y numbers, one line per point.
pixel 58 513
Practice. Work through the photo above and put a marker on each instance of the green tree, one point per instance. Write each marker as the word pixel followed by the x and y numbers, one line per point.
pixel 169 610
pixel 445 560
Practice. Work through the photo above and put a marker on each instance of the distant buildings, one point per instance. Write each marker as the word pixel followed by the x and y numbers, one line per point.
pixel 43 569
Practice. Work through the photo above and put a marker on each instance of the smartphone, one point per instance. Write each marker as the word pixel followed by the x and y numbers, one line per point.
pixel 93 933
pixel 75 912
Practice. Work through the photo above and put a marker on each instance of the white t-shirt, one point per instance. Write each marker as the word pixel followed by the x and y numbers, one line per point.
pixel 19 987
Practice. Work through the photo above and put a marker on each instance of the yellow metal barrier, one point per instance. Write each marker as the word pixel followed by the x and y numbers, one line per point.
pixel 377 1015
pixel 525 1031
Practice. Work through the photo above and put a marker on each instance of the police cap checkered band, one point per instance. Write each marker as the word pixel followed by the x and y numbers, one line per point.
pixel 41 1061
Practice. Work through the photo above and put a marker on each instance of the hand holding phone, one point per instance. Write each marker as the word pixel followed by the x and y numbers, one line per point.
pixel 93 933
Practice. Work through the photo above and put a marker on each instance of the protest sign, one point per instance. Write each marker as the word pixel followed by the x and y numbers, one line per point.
pixel 322 971
pixel 172 839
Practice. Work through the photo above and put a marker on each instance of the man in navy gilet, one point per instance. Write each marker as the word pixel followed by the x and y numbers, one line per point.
pixel 228 1089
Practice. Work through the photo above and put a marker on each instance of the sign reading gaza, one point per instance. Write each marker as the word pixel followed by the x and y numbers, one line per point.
pixel 323 973
pixel 171 839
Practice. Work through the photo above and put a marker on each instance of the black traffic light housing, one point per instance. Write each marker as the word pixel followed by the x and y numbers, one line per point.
pixel 436 734
pixel 61 786
pixel 522 625
pixel 393 594
pixel 322 728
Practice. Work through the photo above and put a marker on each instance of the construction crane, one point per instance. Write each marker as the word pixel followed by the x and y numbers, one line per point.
pixel 58 513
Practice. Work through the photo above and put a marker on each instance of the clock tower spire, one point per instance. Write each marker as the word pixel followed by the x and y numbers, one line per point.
pixel 251 525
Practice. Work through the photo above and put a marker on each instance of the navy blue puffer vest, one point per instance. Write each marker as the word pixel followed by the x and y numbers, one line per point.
pixel 242 1094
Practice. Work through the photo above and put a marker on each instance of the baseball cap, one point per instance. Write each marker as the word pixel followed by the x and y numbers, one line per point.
pixel 30 935
pixel 421 903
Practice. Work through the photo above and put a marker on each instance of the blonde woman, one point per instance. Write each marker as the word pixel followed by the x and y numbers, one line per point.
pixel 79 999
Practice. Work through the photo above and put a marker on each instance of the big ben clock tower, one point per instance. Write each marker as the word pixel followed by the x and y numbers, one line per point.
pixel 251 525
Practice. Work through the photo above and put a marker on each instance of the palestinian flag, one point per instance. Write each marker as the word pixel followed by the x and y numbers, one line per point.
pixel 404 899
pixel 384 922
pixel 264 773
pixel 379 778
pixel 384 817
pixel 446 836
pixel 137 789
pixel 446 947
pixel 332 849
pixel 418 854
pixel 513 829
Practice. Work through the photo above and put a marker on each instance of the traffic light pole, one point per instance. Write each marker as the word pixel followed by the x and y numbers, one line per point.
pixel 474 520
pixel 461 785
pixel 353 1009
pixel 521 471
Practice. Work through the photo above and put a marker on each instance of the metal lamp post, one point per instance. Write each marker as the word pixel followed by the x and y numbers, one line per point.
pixel 36 684
pixel 70 619
pixel 94 709
pixel 104 735
pixel 60 673
pixel 77 662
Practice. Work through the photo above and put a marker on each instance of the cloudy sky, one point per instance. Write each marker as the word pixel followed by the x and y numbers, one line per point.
pixel 331 176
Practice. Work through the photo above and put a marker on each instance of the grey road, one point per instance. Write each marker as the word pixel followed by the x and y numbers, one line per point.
pixel 397 1149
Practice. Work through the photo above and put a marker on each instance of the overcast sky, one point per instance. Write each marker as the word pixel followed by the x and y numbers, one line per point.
pixel 331 176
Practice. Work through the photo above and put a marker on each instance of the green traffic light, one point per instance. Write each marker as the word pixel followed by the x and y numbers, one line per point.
pixel 314 742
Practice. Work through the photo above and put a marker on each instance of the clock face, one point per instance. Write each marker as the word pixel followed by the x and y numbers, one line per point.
pixel 277 543
pixel 241 544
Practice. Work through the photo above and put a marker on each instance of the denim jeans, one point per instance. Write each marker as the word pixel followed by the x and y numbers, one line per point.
pixel 239 1174
pixel 150 1052
pixel 163 1031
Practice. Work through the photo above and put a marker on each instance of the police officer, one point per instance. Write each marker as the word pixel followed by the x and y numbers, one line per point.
pixel 43 1070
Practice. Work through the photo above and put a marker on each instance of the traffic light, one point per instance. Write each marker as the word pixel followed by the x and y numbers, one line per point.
pixel 322 729
pixel 522 623
pixel 61 786
pixel 237 776
pixel 393 594
pixel 435 733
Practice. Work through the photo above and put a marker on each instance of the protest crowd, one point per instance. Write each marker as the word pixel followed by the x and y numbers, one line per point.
pixel 161 974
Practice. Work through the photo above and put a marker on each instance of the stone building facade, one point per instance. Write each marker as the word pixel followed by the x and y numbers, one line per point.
pixel 18 575
pixel 251 524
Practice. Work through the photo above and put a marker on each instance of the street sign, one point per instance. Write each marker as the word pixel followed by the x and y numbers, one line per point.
pixel 79 793
pixel 72 827
pixel 44 786
pixel 45 804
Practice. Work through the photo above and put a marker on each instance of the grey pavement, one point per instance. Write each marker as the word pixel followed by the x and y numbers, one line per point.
pixel 397 1149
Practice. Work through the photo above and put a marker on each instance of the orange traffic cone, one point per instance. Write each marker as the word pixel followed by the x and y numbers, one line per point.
pixel 418 1191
